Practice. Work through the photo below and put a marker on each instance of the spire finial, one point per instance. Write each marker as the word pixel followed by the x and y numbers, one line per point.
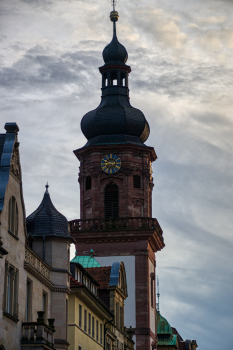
pixel 113 2
pixel 114 15
pixel 158 295
pixel 47 186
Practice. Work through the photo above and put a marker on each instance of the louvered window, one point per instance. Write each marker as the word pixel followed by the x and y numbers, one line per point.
pixel 137 181
pixel 88 183
pixel 111 201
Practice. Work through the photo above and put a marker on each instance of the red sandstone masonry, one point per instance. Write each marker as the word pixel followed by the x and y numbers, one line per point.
pixel 133 202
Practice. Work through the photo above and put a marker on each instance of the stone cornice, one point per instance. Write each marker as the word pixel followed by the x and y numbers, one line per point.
pixel 154 238
pixel 121 147
pixel 61 289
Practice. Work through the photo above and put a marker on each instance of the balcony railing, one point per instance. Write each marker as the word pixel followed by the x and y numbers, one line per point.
pixel 38 332
pixel 116 224
pixel 32 259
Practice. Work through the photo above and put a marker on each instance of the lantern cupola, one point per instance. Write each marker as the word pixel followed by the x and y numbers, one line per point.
pixel 115 121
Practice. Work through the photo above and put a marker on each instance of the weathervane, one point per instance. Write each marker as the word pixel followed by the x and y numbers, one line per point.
pixel 113 2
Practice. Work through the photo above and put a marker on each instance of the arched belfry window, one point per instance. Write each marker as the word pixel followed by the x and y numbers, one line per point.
pixel 111 201
pixel 13 216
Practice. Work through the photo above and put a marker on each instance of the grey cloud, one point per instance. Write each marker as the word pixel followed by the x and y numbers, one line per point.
pixel 41 71
pixel 184 79
pixel 39 3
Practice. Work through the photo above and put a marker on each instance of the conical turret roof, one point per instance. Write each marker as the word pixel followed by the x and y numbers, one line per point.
pixel 46 220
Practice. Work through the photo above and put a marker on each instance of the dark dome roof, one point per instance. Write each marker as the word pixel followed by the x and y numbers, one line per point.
pixel 115 52
pixel 115 121
pixel 46 220
pixel 115 116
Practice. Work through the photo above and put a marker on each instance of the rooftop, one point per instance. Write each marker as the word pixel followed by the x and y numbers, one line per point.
pixel 101 274
pixel 86 261
pixel 46 220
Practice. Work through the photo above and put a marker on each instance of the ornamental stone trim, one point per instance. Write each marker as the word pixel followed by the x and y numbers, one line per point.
pixel 32 259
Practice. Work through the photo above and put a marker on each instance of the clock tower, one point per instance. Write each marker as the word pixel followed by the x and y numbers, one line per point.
pixel 116 183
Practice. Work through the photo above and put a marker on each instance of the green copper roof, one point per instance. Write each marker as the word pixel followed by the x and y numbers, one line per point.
pixel 164 332
pixel 86 261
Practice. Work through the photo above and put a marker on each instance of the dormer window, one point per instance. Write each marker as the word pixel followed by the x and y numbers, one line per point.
pixel 93 289
pixel 13 216
pixel 78 275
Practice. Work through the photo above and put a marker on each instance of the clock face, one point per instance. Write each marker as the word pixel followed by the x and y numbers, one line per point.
pixel 110 163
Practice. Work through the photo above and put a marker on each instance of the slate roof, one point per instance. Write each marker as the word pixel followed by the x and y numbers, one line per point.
pixel 101 275
pixel 115 121
pixel 46 220
pixel 7 142
pixel 115 52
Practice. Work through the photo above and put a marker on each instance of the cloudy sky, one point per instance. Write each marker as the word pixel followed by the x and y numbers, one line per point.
pixel 180 53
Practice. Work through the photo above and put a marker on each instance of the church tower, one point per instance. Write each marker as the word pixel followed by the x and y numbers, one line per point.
pixel 116 183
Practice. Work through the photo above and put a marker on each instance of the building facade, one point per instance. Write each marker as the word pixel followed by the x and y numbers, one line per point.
pixel 87 315
pixel 34 262
pixel 96 307
pixel 116 192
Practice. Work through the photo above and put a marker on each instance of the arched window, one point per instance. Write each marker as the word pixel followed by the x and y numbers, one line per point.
pixel 114 78
pixel 13 216
pixel 111 201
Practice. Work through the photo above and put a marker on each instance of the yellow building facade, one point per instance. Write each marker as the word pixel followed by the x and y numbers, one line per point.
pixel 87 319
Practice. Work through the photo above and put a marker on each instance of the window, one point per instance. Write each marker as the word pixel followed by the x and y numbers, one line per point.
pixel 111 201
pixel 150 204
pixel 45 304
pixel 89 324
pixel 78 276
pixel 88 183
pixel 11 290
pixel 94 289
pixel 28 301
pixel 97 330
pixel 85 320
pixel 117 314
pixel 80 315
pixel 86 282
pixel 93 327
pixel 137 181
pixel 121 318
pixel 152 289
pixel 13 216
pixel 101 333
pixel 68 262
pixel 79 347
pixel 66 318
